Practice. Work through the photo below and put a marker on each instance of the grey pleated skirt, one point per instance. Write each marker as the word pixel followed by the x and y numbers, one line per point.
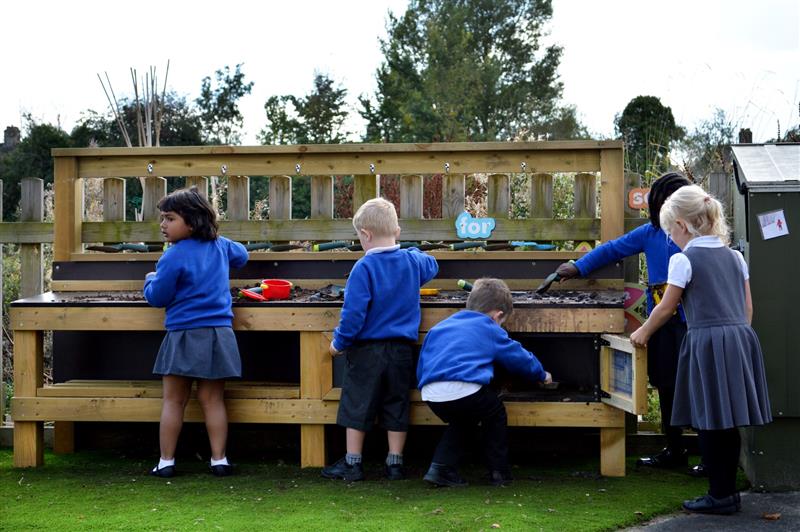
pixel 720 382
pixel 204 353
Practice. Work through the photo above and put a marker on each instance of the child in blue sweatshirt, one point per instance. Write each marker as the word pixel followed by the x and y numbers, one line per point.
pixel 378 326
pixel 455 366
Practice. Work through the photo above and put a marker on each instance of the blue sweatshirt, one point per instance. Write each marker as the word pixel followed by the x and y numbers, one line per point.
pixel 381 297
pixel 654 243
pixel 464 348
pixel 192 282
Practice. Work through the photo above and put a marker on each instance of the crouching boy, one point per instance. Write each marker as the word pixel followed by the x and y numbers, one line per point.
pixel 378 326
pixel 455 367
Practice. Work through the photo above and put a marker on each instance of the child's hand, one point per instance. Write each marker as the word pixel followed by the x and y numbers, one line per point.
pixel 333 351
pixel 547 377
pixel 639 337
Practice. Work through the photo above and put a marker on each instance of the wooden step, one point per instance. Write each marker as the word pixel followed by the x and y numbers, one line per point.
pixel 152 389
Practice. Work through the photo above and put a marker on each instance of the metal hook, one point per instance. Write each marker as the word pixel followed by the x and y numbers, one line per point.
pixel 371 168
pixel 446 168
pixel 297 168
pixel 523 165
pixel 224 169
pixel 149 168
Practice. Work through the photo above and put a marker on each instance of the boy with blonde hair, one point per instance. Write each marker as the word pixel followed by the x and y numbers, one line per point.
pixel 455 366
pixel 379 324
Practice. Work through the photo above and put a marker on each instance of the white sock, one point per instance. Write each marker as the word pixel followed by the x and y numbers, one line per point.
pixel 221 461
pixel 165 463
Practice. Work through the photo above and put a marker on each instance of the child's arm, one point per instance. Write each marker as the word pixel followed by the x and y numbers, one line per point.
pixel 357 297
pixel 517 359
pixel 660 315
pixel 428 267
pixel 237 254
pixel 748 302
pixel 160 286
pixel 631 243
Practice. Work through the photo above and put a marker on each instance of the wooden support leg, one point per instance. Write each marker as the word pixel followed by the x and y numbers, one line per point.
pixel 612 452
pixel 28 435
pixel 64 437
pixel 316 379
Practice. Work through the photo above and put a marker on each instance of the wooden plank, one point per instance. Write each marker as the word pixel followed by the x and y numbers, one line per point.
pixel 28 359
pixel 411 196
pixel 316 364
pixel 542 196
pixel 201 182
pixel 585 198
pixel 453 200
pixel 612 451
pixel 365 187
pixel 238 198
pixel 31 210
pixel 619 342
pixel 342 229
pixel 356 149
pixel 114 199
pixel 155 188
pixel 321 197
pixel 103 389
pixel 498 196
pixel 611 194
pixel 280 198
pixel 64 437
pixel 69 216
pixel 26 232
pixel 631 264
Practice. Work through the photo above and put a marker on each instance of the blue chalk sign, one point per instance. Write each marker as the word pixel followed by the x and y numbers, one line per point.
pixel 469 227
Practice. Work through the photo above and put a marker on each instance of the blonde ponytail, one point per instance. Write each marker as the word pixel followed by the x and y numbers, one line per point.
pixel 703 213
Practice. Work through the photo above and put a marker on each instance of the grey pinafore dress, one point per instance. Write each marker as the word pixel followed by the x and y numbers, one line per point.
pixel 720 381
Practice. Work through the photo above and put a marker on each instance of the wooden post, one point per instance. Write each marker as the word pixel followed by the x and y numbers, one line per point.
pixel 201 182
pixel 453 192
pixel 719 185
pixel 28 435
pixel 280 197
pixel 631 264
pixel 585 199
pixel 69 210
pixel 238 198
pixel 411 197
pixel 498 196
pixel 316 379
pixel 612 449
pixel 612 223
pixel 542 196
pixel 365 187
pixel 114 199
pixel 31 210
pixel 155 188
pixel 321 197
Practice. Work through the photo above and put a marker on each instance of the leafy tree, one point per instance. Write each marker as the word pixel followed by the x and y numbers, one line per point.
pixel 219 105
pixel 705 149
pixel 30 158
pixel 317 118
pixel 468 70
pixel 648 129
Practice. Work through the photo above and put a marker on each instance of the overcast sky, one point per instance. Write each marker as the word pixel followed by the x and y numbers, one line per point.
pixel 740 56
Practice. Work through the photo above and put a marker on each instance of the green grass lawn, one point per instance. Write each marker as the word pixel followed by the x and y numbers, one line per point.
pixel 103 491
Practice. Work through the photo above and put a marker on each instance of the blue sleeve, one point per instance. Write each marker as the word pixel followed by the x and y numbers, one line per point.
pixel 159 289
pixel 357 298
pixel 516 358
pixel 237 254
pixel 628 244
pixel 428 267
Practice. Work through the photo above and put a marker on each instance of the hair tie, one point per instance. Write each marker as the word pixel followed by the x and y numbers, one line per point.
pixel 707 199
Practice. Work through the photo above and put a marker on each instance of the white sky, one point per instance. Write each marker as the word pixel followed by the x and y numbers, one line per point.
pixel 740 56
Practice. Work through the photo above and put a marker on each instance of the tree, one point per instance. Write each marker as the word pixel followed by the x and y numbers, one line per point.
pixel 219 106
pixel 705 150
pixel 30 158
pixel 648 129
pixel 468 70
pixel 317 118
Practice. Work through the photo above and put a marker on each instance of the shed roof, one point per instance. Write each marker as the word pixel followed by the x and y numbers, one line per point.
pixel 773 164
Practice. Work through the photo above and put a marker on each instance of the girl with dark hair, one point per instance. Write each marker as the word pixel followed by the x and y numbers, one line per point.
pixel 663 348
pixel 191 281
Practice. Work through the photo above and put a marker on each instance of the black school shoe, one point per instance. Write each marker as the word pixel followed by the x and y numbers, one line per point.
pixel 394 472
pixel 344 471
pixel 164 472
pixel 665 459
pixel 698 471
pixel 444 476
pixel 221 470
pixel 500 478
pixel 711 505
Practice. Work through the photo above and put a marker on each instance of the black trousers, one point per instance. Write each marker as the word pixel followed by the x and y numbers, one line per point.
pixel 662 366
pixel 463 417
pixel 666 394
pixel 720 449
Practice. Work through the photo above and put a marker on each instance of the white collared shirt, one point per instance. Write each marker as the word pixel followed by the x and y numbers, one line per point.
pixel 381 250
pixel 680 269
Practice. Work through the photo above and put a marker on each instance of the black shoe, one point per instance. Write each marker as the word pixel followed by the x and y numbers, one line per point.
pixel 164 472
pixel 344 471
pixel 444 476
pixel 698 471
pixel 221 470
pixel 710 505
pixel 666 459
pixel 394 471
pixel 500 478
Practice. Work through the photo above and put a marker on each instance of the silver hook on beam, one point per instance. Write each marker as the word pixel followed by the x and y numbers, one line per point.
pixel 446 168
pixel 371 168
pixel 149 168
pixel 297 168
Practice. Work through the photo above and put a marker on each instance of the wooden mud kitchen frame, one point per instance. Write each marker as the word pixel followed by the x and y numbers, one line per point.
pixel 101 368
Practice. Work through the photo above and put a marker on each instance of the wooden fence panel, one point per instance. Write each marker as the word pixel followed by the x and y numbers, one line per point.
pixel 542 195
pixel 498 196
pixel 31 210
pixel 238 198
pixel 321 197
pixel 365 187
pixel 453 195
pixel 411 194
pixel 201 182
pixel 280 197
pixel 155 188
pixel 585 199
